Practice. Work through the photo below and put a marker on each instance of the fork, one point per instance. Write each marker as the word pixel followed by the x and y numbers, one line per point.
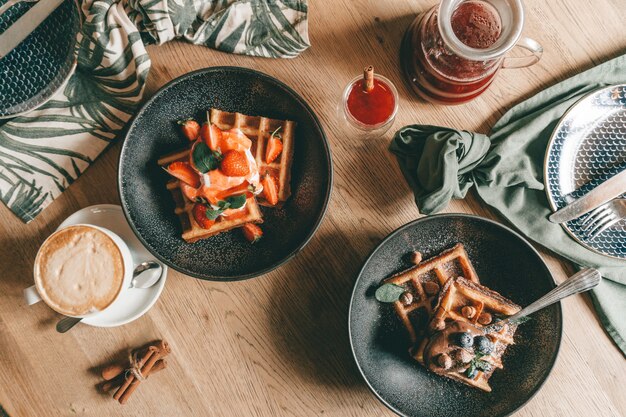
pixel 6 6
pixel 604 217
pixel 583 280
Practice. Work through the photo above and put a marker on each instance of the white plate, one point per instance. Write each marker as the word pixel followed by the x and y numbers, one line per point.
pixel 135 302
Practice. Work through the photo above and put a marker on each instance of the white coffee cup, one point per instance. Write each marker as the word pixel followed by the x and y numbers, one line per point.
pixel 37 292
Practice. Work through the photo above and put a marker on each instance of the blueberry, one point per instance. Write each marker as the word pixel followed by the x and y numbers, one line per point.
pixel 471 372
pixel 465 340
pixel 483 345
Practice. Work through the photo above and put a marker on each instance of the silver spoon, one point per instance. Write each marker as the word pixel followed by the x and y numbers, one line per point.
pixel 139 280
pixel 582 281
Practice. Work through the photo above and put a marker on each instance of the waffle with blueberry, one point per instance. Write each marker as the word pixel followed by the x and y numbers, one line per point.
pixel 423 283
pixel 272 147
pixel 464 340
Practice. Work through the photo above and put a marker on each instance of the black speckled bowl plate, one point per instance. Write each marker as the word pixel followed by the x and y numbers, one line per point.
pixel 504 262
pixel 149 206
pixel 41 64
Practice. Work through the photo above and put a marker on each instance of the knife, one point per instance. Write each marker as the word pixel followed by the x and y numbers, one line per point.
pixel 26 24
pixel 603 193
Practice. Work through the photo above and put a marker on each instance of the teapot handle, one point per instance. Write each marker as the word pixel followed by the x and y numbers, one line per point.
pixel 536 50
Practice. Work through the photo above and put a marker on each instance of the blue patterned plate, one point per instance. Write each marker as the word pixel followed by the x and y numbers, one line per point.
pixel 40 65
pixel 587 147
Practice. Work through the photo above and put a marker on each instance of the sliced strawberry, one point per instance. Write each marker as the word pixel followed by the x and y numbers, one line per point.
pixel 235 164
pixel 191 193
pixel 199 215
pixel 273 149
pixel 190 128
pixel 184 172
pixel 252 232
pixel 235 139
pixel 211 135
pixel 270 189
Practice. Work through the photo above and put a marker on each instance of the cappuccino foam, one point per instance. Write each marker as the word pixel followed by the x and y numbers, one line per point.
pixel 79 270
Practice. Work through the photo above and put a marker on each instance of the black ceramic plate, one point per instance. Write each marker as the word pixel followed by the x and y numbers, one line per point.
pixel 504 262
pixel 149 207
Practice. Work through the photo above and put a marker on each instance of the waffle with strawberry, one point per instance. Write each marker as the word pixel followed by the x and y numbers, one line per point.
pixel 229 168
pixel 191 208
pixel 272 146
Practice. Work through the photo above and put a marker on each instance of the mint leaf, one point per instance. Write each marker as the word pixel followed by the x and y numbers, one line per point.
pixel 237 201
pixel 471 371
pixel 212 214
pixel 477 364
pixel 482 365
pixel 204 158
pixel 234 202
pixel 388 293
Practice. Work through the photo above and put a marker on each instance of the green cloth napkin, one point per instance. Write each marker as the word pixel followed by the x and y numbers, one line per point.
pixel 44 151
pixel 506 169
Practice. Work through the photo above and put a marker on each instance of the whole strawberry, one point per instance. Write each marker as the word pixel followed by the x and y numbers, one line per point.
pixel 235 164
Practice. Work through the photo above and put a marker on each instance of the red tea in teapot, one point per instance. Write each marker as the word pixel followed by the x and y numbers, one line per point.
pixel 452 52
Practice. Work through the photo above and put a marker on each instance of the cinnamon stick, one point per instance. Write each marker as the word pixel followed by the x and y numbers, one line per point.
pixel 116 381
pixel 115 369
pixel 368 79
pixel 107 386
pixel 149 353
pixel 111 371
pixel 162 349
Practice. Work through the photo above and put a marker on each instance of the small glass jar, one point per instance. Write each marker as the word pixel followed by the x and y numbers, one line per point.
pixel 354 127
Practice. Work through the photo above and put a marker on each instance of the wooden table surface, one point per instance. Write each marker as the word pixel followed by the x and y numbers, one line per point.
pixel 278 345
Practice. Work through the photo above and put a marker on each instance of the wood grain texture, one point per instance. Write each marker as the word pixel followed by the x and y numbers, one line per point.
pixel 278 345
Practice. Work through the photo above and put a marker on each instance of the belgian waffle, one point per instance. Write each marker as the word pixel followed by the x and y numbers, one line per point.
pixel 259 130
pixel 192 232
pixel 485 307
pixel 424 282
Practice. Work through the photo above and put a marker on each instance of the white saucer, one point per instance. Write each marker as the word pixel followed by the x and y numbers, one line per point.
pixel 135 302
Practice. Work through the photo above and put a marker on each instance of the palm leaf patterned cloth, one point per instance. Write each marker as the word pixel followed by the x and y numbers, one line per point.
pixel 44 151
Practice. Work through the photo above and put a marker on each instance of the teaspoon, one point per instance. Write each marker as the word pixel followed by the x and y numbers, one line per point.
pixel 139 280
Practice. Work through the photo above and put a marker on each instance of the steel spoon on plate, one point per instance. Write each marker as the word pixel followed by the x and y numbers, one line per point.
pixel 582 281
pixel 139 280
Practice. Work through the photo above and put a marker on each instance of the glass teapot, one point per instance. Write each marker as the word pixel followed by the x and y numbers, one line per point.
pixel 452 52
